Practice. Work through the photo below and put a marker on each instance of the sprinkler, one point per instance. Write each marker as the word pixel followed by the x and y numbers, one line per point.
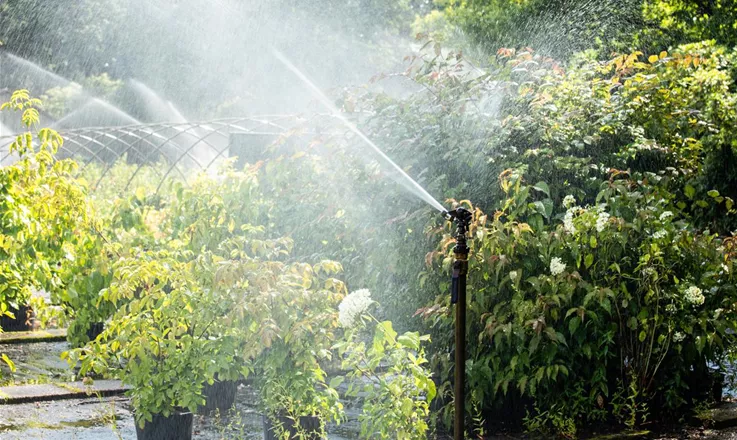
pixel 462 218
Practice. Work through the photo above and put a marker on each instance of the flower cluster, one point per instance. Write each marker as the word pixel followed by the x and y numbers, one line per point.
pixel 659 234
pixel 353 306
pixel 568 221
pixel 602 220
pixel 569 201
pixel 671 308
pixel 694 296
pixel 665 215
pixel 557 266
pixel 678 337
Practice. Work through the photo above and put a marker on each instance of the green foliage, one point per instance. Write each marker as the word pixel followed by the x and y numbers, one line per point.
pixel 688 21
pixel 553 422
pixel 171 333
pixel 55 34
pixel 559 28
pixel 297 336
pixel 388 371
pixel 562 28
pixel 212 210
pixel 623 298
pixel 670 114
pixel 59 101
pixel 43 208
pixel 645 135
pixel 46 314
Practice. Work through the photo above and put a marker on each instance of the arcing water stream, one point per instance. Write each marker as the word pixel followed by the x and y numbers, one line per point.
pixel 402 178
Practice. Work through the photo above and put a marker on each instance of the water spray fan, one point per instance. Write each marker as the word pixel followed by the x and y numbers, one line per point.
pixel 462 218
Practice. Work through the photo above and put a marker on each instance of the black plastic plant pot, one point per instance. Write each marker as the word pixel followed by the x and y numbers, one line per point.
pixel 218 396
pixel 177 426
pixel 309 426
pixel 22 322
pixel 94 330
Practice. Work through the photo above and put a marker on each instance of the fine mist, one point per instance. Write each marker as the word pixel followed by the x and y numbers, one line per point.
pixel 210 59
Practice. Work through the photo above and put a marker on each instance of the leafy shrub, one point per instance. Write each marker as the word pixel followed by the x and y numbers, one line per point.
pixel 681 21
pixel 297 334
pixel 571 127
pixel 43 211
pixel 559 27
pixel 172 332
pixel 578 306
pixel 388 370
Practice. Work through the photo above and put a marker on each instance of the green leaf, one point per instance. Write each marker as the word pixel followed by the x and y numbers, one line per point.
pixel 589 260
pixel 431 391
pixel 534 343
pixel 8 361
pixel 386 330
pixel 542 187
pixel 573 324
pixel 336 381
pixel 406 407
pixel 713 193
pixel 690 191
pixel 410 340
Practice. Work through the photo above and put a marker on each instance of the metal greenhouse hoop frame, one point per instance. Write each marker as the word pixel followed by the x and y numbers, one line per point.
pixel 187 148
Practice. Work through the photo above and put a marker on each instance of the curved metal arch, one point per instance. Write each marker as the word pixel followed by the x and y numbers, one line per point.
pixel 175 142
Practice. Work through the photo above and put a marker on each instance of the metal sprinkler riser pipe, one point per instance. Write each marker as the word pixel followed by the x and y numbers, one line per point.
pixel 462 217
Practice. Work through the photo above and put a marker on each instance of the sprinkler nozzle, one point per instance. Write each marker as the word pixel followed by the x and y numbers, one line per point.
pixel 460 215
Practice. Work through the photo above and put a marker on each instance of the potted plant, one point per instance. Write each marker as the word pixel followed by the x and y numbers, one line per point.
pixel 295 397
pixel 116 232
pixel 81 300
pixel 386 370
pixel 164 342
pixel 43 209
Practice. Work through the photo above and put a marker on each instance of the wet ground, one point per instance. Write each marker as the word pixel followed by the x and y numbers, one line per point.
pixel 112 419
pixel 37 362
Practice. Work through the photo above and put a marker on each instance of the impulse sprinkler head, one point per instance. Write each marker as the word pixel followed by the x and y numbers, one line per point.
pixel 462 218
pixel 459 215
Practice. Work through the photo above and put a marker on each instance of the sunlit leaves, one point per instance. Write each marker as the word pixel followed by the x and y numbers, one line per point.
pixel 44 210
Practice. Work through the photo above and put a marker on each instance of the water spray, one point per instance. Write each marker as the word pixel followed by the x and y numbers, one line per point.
pixel 401 176
pixel 462 218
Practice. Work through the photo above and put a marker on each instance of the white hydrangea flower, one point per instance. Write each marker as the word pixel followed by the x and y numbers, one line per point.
pixel 659 234
pixel 568 221
pixel 600 207
pixel 678 337
pixel 694 296
pixel 602 220
pixel 353 306
pixel 557 266
pixel 513 275
pixel 671 308
pixel 569 201
pixel 665 215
